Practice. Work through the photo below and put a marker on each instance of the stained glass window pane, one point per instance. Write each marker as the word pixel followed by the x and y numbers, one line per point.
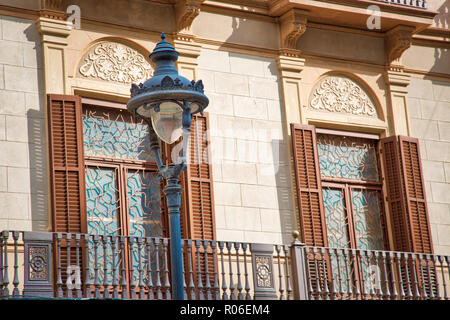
pixel 115 135
pixel 144 215
pixel 102 219
pixel 144 204
pixel 347 157
pixel 367 219
pixel 335 218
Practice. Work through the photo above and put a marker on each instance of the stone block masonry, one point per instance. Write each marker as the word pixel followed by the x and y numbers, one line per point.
pixel 249 155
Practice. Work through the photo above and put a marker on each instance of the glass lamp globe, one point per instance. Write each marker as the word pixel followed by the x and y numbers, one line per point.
pixel 167 121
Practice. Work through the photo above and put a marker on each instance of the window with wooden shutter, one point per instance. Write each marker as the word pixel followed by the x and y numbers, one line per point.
pixel 199 202
pixel 199 184
pixel 309 187
pixel 66 163
pixel 408 208
pixel 406 195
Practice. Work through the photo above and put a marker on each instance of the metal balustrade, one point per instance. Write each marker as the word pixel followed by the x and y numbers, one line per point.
pixel 421 4
pixel 82 266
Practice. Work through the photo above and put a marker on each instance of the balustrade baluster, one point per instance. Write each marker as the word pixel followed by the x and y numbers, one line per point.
pixel 183 251
pixel 308 273
pixel 201 296
pixel 346 257
pixel 362 272
pixel 114 270
pixel 59 291
pixel 325 274
pixel 132 265
pixel 247 283
pixel 332 289
pixel 104 241
pixel 16 265
pixel 238 272
pixel 207 281
pixel 224 281
pixel 386 294
pixel 288 280
pixel 68 285
pixel 232 296
pixel 447 258
pixel 354 258
pixel 400 276
pixel 87 282
pixel 158 272
pixel 438 292
pixel 280 276
pixel 216 282
pixel 408 279
pixel 421 277
pixel 318 287
pixel 166 270
pixel 414 279
pixel 141 270
pixel 339 279
pixel 444 285
pixel 391 256
pixel 148 242
pixel 1 265
pixel 96 269
pixel 124 288
pixel 77 253
pixel 191 271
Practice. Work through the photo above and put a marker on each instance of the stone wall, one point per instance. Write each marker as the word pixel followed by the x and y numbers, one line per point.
pixel 23 178
pixel 429 113
pixel 249 154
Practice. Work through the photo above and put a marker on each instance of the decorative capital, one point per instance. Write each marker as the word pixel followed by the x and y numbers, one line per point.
pixel 290 64
pixel 397 41
pixel 186 11
pixel 293 25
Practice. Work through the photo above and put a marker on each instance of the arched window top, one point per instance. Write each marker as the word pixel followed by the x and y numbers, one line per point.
pixel 340 93
pixel 110 60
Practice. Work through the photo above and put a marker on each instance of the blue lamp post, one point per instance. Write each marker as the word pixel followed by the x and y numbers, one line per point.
pixel 167 102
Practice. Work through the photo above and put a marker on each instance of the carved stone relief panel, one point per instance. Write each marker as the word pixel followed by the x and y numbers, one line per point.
pixel 113 61
pixel 338 93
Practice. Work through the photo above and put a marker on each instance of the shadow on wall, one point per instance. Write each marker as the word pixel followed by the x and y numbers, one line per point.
pixel 37 143
pixel 442 19
pixel 279 151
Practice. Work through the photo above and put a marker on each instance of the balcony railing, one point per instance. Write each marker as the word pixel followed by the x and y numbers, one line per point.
pixel 81 266
pixel 421 4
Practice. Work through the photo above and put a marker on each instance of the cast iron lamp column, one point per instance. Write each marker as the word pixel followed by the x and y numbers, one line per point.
pixel 167 102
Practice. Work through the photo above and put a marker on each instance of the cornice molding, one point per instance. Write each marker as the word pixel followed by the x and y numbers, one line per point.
pixel 292 26
pixel 397 40
pixel 186 11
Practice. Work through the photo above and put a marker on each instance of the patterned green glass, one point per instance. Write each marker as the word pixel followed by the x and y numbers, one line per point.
pixel 347 157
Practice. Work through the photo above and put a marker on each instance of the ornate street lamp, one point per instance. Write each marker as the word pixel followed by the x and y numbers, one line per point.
pixel 167 102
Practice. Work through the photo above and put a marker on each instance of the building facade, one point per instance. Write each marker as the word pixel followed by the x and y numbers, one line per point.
pixel 329 118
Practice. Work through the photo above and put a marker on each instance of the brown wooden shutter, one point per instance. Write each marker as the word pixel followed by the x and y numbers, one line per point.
pixel 199 182
pixel 308 184
pixel 406 194
pixel 416 204
pixel 66 163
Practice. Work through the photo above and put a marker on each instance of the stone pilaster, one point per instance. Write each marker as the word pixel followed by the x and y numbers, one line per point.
pixel 188 51
pixel 54 33
pixel 290 66
pixel 397 81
